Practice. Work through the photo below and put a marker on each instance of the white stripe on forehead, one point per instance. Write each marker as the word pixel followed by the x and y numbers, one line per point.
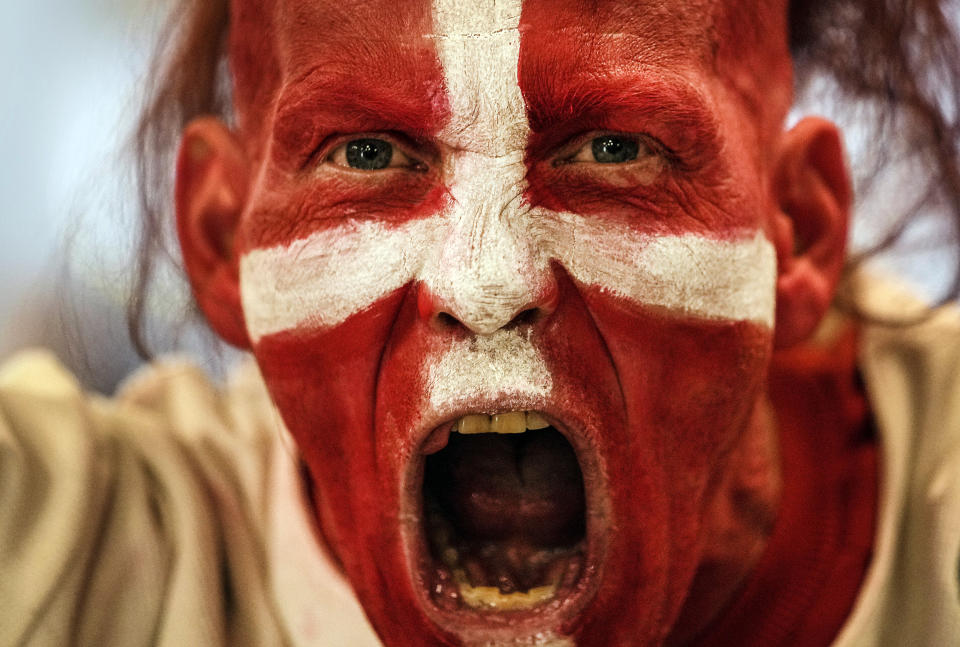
pixel 478 44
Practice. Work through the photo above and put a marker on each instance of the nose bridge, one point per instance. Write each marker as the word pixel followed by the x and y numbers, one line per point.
pixel 487 269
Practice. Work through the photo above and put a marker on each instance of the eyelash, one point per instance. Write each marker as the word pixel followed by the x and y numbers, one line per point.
pixel 648 149
pixel 328 150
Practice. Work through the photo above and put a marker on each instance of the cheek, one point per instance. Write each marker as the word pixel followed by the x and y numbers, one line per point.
pixel 322 383
pixel 689 386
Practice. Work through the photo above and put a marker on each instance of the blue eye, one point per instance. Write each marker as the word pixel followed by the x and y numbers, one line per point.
pixel 369 154
pixel 372 153
pixel 613 149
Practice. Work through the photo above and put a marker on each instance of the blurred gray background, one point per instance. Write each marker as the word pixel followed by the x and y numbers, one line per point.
pixel 69 77
pixel 69 72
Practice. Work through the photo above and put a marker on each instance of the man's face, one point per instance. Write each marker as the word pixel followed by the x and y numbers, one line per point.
pixel 551 213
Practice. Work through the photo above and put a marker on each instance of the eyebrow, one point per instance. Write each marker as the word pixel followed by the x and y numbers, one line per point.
pixel 336 100
pixel 557 103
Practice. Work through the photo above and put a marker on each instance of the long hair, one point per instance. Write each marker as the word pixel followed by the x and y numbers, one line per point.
pixel 187 78
pixel 900 57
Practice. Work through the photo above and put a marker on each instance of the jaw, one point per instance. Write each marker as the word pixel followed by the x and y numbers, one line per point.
pixel 644 457
pixel 626 520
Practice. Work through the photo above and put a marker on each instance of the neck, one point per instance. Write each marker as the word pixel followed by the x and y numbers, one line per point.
pixel 739 521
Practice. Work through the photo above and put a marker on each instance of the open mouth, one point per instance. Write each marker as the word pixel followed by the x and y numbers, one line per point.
pixel 504 519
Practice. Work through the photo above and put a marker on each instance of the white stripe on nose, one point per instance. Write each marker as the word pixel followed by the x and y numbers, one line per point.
pixel 485 271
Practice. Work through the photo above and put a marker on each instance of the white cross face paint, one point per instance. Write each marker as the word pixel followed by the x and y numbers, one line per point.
pixel 486 255
pixel 327 277
pixel 647 304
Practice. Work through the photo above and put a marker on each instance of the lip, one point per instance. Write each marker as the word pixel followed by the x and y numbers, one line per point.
pixel 559 616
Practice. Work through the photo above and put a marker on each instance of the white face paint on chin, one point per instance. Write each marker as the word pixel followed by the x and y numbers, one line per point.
pixel 546 640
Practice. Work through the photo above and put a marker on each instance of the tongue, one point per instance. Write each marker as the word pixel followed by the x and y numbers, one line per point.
pixel 524 488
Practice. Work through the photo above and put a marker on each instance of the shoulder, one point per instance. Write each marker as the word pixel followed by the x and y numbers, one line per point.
pixel 119 514
pixel 168 415
pixel 912 375
pixel 913 372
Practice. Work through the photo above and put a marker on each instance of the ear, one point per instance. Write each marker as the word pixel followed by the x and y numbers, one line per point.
pixel 811 188
pixel 211 193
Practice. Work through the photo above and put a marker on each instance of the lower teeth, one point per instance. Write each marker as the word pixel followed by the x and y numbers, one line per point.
pixel 490 597
pixel 462 581
pixel 486 558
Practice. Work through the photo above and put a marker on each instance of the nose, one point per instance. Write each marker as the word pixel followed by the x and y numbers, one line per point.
pixel 491 314
pixel 488 272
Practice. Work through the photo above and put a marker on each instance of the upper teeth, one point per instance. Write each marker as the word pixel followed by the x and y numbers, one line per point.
pixel 514 422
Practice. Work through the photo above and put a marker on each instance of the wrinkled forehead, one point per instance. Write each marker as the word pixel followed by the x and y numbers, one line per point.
pixel 382 29
pixel 382 43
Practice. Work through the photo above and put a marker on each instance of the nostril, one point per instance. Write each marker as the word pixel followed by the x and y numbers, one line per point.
pixel 447 320
pixel 526 317
pixel 489 311
pixel 539 308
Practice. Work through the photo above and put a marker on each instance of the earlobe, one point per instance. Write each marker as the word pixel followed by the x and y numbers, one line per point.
pixel 211 192
pixel 811 187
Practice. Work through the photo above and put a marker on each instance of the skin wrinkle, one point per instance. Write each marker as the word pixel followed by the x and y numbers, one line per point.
pixel 688 204
pixel 554 267
pixel 375 402
pixel 664 214
pixel 255 69
pixel 679 38
pixel 485 135
pixel 648 90
pixel 763 85
pixel 493 295
pixel 311 207
pixel 400 104
pixel 705 176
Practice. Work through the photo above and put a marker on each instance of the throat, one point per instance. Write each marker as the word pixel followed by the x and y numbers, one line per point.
pixel 505 519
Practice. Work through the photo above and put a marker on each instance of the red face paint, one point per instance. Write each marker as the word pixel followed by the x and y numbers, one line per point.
pixel 386 305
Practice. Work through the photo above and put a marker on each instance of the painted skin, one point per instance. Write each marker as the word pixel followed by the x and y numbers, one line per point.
pixel 495 264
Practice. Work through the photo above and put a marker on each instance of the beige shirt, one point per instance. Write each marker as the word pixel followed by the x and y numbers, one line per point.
pixel 911 595
pixel 172 513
